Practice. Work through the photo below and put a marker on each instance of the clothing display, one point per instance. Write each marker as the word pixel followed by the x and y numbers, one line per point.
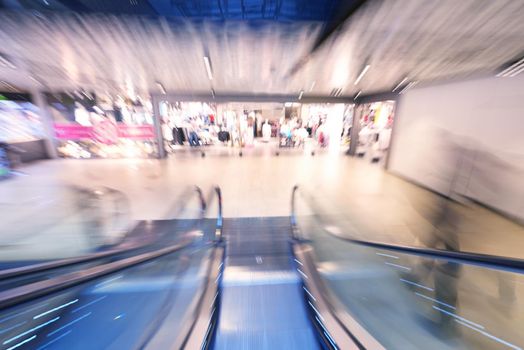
pixel 223 136
pixel 104 126
pixel 266 132
pixel 374 136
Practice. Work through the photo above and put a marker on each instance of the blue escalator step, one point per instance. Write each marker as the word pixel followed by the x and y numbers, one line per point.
pixel 262 305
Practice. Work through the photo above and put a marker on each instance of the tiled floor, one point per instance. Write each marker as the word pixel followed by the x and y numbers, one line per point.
pixel 378 205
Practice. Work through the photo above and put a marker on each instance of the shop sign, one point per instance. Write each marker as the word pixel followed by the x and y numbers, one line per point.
pixel 107 133
pixel 73 132
pixel 136 132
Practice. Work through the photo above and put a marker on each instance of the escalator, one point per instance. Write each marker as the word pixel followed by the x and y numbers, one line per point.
pixel 145 236
pixel 298 282
pixel 261 304
pixel 117 301
pixel 388 296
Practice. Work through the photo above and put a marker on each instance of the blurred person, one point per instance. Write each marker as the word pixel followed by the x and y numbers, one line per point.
pixel 443 213
pixel 321 135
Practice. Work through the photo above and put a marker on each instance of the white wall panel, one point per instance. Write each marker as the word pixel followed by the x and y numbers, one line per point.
pixel 473 130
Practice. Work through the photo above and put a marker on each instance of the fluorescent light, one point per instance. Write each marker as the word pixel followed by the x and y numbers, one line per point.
pixel 400 84
pixel 300 95
pixel 362 74
pixel 161 87
pixel 357 95
pixel 98 110
pixel 9 86
pixel 517 72
pixel 208 68
pixel 312 86
pixel 6 63
pixel 515 66
pixel 213 93
pixel 409 86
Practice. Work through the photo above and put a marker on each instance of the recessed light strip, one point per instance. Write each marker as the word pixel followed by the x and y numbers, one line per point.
pixel 409 86
pixel 208 68
pixel 515 66
pixel 161 87
pixel 400 84
pixel 517 72
pixel 361 75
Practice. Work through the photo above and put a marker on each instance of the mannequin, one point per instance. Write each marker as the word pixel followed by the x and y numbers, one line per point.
pixel 266 131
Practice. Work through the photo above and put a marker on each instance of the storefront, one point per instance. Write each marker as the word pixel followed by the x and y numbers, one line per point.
pixel 329 124
pixel 375 127
pixel 22 135
pixel 102 126
pixel 235 124
pixel 188 123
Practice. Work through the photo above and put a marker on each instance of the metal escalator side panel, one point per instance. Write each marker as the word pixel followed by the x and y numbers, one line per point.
pixel 198 334
pixel 341 330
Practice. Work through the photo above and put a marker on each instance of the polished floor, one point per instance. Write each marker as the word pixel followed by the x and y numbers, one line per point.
pixel 42 215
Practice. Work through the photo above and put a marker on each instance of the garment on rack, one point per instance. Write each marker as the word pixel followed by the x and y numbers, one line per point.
pixel 223 136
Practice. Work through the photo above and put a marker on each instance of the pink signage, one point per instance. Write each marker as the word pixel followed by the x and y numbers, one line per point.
pixel 73 132
pixel 136 132
pixel 104 132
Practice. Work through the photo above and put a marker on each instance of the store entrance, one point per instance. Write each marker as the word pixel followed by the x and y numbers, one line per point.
pixel 374 134
pixel 206 125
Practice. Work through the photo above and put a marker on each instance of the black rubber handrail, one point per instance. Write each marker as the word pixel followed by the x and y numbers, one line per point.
pixel 31 291
pixel 196 329
pixel 485 260
pixel 50 265
pixel 216 191
pixel 28 292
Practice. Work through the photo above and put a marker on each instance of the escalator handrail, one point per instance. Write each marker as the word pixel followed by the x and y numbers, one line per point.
pixel 34 290
pixel 485 260
pixel 193 335
pixel 40 267
pixel 217 192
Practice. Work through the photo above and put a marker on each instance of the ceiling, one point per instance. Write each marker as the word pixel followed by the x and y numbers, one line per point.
pixel 254 46
pixel 312 10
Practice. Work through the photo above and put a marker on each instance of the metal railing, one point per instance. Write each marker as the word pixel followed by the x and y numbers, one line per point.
pixel 484 260
pixel 19 294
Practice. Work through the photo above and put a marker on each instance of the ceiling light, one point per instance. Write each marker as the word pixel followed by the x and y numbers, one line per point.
pixel 336 92
pixel 98 110
pixel 79 95
pixel 517 72
pixel 362 74
pixel 409 86
pixel 46 2
pixel 161 87
pixel 357 95
pixel 213 93
pixel 9 86
pixel 400 84
pixel 4 62
pixel 511 69
pixel 89 97
pixel 312 86
pixel 37 81
pixel 208 67
pixel 300 95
